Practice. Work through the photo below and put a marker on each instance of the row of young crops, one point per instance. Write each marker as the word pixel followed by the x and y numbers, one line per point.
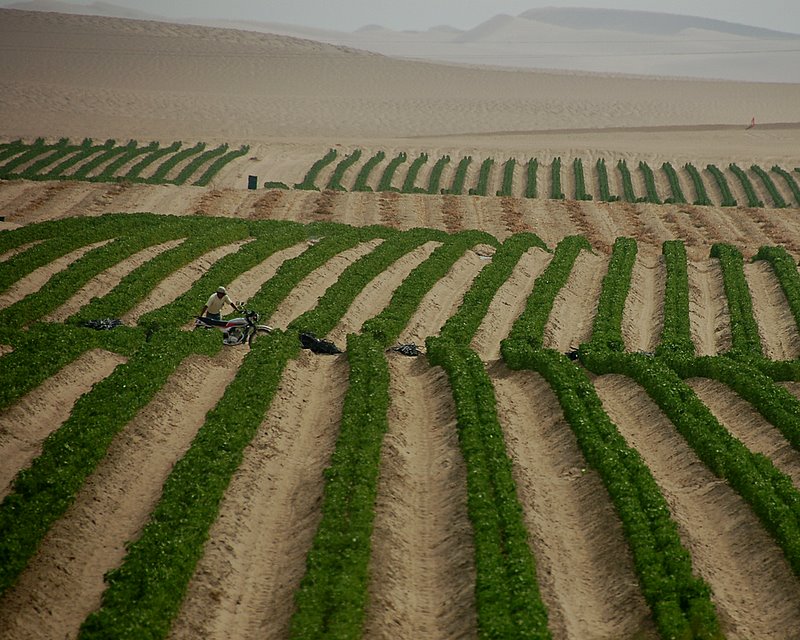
pixel 111 161
pixel 531 179
pixel 144 594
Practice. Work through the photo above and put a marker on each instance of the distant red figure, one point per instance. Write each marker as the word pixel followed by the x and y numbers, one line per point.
pixel 752 123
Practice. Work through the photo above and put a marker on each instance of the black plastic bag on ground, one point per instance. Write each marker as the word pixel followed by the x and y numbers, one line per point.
pixel 409 349
pixel 311 342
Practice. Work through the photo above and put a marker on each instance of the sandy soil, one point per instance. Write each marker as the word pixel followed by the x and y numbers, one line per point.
pixel 26 424
pixel 39 277
pixel 729 547
pixel 708 308
pixel 105 78
pixel 573 527
pixel 422 573
pixel 255 556
pixel 64 582
pixel 509 302
pixel 570 322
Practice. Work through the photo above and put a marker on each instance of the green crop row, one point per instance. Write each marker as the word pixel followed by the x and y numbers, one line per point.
pixel 790 182
pixel 602 182
pixel 674 184
pixel 627 182
pixel 42 492
pixel 332 597
pixel 460 177
pixel 649 183
pixel 770 493
pixel 701 196
pixel 385 183
pixel 335 181
pixel 556 191
pixel 387 325
pixel 363 175
pixel 462 325
pixel 607 327
pixel 62 156
pixel 580 180
pixel 744 329
pixel 676 336
pixel 436 174
pixel 309 181
pixel 679 601
pixel 531 188
pixel 507 188
pixel 722 183
pixel 752 199
pixel 531 323
pixel 786 271
pixel 769 185
pixel 144 594
pixel 411 175
pixel 506 591
pixel 485 172
pixel 134 287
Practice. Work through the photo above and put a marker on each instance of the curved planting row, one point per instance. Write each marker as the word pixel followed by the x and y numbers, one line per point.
pixel 145 593
pixel 602 179
pixel 105 162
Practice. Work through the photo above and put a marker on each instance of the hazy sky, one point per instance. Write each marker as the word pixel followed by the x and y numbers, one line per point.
pixel 347 15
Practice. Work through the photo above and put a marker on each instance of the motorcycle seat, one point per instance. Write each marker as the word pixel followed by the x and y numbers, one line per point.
pixel 212 322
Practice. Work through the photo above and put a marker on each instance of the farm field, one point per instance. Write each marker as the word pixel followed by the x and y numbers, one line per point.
pixel 599 438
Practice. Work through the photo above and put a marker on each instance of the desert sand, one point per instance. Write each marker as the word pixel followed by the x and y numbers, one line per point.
pixel 291 100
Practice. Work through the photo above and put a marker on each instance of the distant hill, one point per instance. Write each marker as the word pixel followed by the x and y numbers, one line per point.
pixel 105 9
pixel 643 22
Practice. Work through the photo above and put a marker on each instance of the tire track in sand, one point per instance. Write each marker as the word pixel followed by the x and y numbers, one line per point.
pixel 739 417
pixel 35 280
pixel 570 321
pixel 443 299
pixel 708 308
pixel 754 589
pixel 777 328
pixel 585 569
pixel 643 315
pixel 63 583
pixel 422 571
pixel 180 281
pixel 254 559
pixel 25 425
pixel 104 282
pixel 508 303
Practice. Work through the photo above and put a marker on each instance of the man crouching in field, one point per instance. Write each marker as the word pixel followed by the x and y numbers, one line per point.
pixel 213 307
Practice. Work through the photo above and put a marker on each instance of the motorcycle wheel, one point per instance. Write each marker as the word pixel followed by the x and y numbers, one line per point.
pixel 253 334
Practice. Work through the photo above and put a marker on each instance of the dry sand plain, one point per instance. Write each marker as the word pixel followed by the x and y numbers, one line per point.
pixel 291 100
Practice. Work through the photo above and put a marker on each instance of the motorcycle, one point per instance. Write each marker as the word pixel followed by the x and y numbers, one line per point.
pixel 236 330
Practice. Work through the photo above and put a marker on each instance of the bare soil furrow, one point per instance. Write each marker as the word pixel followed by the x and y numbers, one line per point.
pixel 777 328
pixel 17 250
pixel 27 196
pixel 219 202
pixel 508 303
pixel 248 284
pixel 306 294
pixel 571 319
pixel 745 423
pixel 754 589
pixel 262 208
pixel 104 282
pixel 443 299
pixel 708 308
pixel 422 572
pixel 642 318
pixel 378 292
pixel 13 192
pixel 573 526
pixel 180 281
pixel 63 583
pixel 25 425
pixel 60 200
pixel 255 555
pixel 39 277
